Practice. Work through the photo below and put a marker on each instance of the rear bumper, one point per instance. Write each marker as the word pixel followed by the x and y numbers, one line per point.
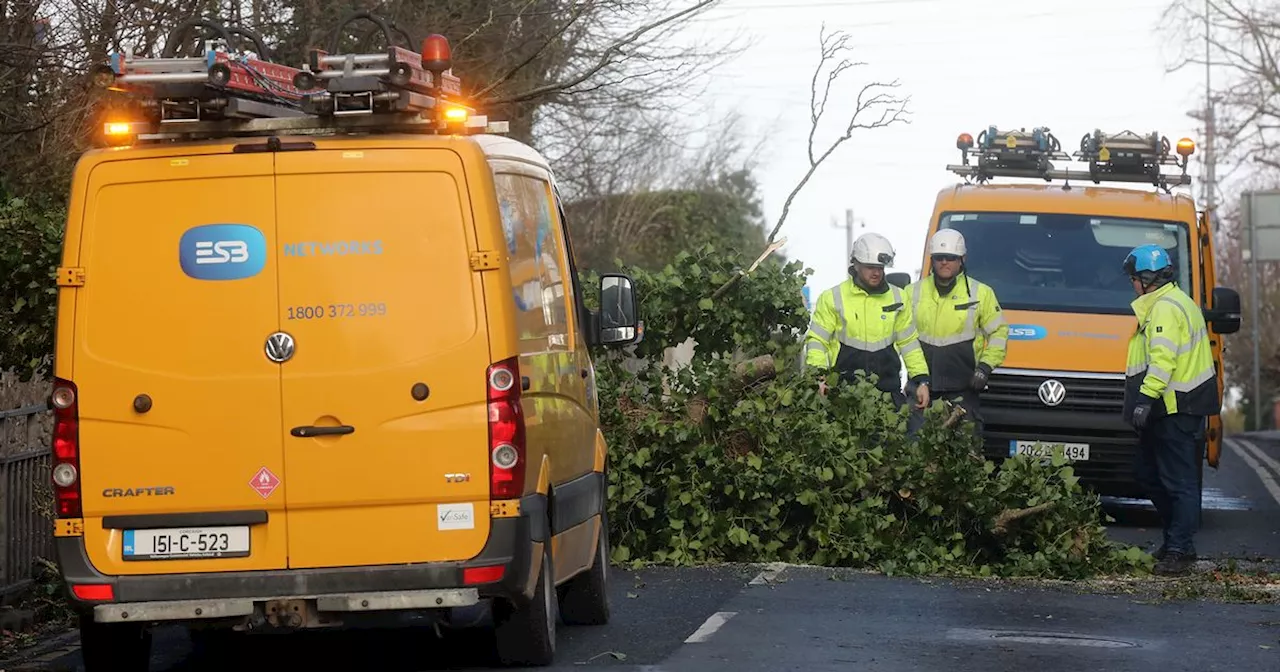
pixel 1113 444
pixel 366 588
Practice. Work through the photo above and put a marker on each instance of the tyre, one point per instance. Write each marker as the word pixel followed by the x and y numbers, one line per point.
pixel 120 647
pixel 526 636
pixel 585 598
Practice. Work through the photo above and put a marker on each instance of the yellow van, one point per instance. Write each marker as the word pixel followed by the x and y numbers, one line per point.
pixel 317 369
pixel 1053 254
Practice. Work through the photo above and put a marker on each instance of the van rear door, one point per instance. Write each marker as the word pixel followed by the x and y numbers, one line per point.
pixel 385 416
pixel 180 447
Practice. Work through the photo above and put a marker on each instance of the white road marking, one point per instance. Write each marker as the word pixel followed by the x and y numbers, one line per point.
pixel 713 623
pixel 1247 451
pixel 769 575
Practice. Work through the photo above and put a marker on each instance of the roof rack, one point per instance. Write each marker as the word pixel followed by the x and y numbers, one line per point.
pixel 1121 157
pixel 222 82
pixel 229 90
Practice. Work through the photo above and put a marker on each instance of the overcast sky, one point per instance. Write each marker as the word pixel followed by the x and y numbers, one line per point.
pixel 967 65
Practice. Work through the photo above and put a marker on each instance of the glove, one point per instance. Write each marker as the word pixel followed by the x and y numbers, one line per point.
pixel 980 378
pixel 1141 414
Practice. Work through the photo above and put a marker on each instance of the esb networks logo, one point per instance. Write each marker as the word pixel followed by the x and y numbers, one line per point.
pixel 222 252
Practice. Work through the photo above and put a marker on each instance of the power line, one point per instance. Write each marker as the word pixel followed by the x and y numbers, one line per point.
pixel 851 4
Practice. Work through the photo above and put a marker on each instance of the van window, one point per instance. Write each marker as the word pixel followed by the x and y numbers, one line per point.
pixel 536 254
pixel 1061 262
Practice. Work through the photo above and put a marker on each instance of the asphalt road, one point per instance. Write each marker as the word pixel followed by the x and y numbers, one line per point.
pixel 739 619
pixel 1241 505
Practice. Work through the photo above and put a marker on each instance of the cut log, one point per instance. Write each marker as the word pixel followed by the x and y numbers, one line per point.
pixel 1010 516
pixel 755 370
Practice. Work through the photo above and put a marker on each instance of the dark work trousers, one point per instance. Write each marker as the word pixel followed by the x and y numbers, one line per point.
pixel 915 419
pixel 1169 454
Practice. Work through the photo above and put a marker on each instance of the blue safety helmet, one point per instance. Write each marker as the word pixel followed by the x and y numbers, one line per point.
pixel 1149 263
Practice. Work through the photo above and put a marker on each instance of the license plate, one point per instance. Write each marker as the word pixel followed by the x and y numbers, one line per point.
pixel 186 543
pixel 1075 452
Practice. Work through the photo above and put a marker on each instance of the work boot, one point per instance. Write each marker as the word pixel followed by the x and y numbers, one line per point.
pixel 1175 563
pixel 1159 554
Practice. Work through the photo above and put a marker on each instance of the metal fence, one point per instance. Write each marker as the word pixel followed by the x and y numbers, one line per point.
pixel 26 530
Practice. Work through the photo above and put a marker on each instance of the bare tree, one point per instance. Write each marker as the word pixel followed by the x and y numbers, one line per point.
pixel 1243 42
pixel 628 181
pixel 547 66
pixel 1234 272
pixel 876 106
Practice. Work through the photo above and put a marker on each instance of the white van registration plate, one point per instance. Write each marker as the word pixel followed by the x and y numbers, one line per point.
pixel 1075 452
pixel 186 543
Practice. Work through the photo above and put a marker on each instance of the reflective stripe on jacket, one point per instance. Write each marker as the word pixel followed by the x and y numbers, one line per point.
pixel 852 330
pixel 958 331
pixel 1170 360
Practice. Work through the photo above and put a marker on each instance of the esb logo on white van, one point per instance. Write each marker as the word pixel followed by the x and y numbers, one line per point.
pixel 222 252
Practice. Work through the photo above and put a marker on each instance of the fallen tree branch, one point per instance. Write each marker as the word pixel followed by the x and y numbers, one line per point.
pixel 1010 516
pixel 870 99
pixel 754 370
pixel 957 413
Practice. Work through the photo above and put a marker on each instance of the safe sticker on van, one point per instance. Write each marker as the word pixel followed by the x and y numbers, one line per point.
pixel 222 252
pixel 456 516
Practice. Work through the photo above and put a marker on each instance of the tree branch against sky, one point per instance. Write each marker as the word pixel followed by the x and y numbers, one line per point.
pixel 876 105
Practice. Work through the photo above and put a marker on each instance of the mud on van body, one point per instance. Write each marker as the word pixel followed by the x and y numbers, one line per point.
pixel 301 383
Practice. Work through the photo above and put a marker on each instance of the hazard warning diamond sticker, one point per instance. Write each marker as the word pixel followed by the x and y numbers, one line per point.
pixel 264 482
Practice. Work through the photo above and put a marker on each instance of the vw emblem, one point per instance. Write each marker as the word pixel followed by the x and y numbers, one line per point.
pixel 1052 392
pixel 280 347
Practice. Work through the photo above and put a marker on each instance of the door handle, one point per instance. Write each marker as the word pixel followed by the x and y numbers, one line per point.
pixel 307 431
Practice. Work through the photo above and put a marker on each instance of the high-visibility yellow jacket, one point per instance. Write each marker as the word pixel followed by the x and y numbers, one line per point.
pixel 1170 362
pixel 958 330
pixel 853 330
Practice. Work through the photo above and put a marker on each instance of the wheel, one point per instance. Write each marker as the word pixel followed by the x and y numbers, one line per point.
pixel 585 598
pixel 121 647
pixel 527 636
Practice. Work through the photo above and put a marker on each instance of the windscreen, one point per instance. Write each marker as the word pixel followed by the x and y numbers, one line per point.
pixel 1061 262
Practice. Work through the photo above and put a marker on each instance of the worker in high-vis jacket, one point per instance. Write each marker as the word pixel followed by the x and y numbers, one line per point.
pixel 962 330
pixel 1171 384
pixel 864 324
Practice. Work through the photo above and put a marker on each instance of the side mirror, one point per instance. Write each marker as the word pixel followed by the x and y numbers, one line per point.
pixel 1224 317
pixel 619 324
pixel 899 280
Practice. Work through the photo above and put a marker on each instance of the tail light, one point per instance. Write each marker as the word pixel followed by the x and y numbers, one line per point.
pixel 507 458
pixel 66 448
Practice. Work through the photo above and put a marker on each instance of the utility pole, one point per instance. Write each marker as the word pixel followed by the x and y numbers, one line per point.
pixel 1210 125
pixel 848 232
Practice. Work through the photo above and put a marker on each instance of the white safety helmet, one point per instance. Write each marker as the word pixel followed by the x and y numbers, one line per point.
pixel 947 241
pixel 872 249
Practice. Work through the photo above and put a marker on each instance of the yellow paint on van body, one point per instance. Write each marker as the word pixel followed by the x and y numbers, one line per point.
pixel 371 246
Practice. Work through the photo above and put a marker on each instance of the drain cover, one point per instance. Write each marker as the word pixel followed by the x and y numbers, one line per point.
pixel 1062 638
pixel 1039 637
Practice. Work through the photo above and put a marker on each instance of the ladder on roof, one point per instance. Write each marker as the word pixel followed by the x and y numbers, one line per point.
pixel 1121 157
pixel 233 88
